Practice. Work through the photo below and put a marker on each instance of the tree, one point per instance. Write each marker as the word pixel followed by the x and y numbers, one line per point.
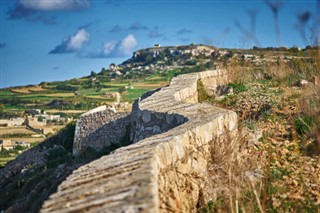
pixel 43 84
pixel 121 89
pixel 93 74
pixel 1 109
pixel 148 59
pixel 167 52
pixel 103 71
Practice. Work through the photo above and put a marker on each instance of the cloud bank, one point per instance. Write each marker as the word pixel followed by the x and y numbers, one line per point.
pixel 73 43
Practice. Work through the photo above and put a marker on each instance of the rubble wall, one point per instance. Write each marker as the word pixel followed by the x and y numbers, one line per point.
pixel 100 128
pixel 166 169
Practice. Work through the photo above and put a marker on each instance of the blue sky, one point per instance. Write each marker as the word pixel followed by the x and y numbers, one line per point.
pixel 48 40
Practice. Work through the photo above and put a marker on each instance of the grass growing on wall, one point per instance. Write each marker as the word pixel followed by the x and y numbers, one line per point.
pixel 202 93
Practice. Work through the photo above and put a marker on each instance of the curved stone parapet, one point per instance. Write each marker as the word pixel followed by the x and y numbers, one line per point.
pixel 166 169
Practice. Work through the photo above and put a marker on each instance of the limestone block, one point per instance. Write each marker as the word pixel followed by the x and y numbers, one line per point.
pixel 146 116
pixel 156 129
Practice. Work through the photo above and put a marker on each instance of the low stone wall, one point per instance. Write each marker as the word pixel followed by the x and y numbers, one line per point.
pixel 99 128
pixel 165 170
pixel 162 111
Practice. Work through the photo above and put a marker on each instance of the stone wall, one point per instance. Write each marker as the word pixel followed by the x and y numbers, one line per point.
pixel 99 128
pixel 166 169
pixel 162 111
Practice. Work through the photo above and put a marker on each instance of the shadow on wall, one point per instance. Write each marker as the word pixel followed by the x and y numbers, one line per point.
pixel 107 137
pixel 127 130
pixel 146 123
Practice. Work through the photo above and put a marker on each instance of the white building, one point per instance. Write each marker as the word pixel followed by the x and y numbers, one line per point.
pixel 12 122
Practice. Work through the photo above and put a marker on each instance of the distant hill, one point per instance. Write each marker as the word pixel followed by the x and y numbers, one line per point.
pixel 147 69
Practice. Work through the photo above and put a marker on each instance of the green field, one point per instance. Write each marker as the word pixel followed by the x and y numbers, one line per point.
pixel 5 160
pixel 79 94
pixel 8 155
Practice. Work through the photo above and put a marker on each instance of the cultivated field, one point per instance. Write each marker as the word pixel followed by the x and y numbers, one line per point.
pixel 28 90
pixel 15 130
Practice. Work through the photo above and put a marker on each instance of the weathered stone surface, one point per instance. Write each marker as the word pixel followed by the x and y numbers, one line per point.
pixel 165 172
pixel 99 128
pixel 316 80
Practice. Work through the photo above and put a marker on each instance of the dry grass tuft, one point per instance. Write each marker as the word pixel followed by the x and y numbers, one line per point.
pixel 239 72
pixel 237 174
pixel 279 69
pixel 308 121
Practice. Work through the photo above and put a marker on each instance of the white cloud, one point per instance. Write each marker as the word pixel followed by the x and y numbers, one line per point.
pixel 114 49
pixel 76 41
pixel 108 47
pixel 51 5
pixel 73 43
pixel 127 45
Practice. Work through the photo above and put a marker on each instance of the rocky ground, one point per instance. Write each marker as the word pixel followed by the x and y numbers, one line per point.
pixel 292 170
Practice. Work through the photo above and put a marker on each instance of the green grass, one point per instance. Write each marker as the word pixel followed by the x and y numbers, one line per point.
pixel 16 135
pixel 18 107
pixel 5 160
pixel 8 155
pixel 5 93
pixel 202 93
pixel 132 94
pixel 304 124
pixel 89 92
pixel 156 78
pixel 213 206
pixel 238 88
pixel 229 100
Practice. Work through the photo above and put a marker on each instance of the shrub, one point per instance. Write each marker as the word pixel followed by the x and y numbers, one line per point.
pixel 304 124
pixel 238 87
pixel 190 63
pixel 202 93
